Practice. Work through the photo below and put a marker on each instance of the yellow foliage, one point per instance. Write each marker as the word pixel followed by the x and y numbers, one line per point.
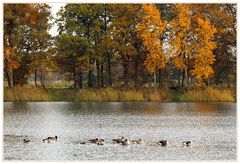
pixel 180 28
pixel 150 30
pixel 204 57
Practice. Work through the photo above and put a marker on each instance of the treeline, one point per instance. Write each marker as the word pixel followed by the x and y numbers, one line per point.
pixel 124 45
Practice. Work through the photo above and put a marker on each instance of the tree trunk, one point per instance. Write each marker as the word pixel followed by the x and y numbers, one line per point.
pixel 155 80
pixel 80 85
pixel 14 78
pixel 179 77
pixel 42 78
pixel 98 74
pixel 8 79
pixel 102 76
pixel 183 77
pixel 136 73
pixel 74 80
pixel 90 78
pixel 125 74
pixel 35 77
pixel 109 69
pixel 159 78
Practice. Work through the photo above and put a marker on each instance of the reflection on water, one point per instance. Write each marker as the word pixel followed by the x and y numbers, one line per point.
pixel 211 127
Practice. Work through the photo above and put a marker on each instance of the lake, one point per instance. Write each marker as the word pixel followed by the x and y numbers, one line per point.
pixel 210 126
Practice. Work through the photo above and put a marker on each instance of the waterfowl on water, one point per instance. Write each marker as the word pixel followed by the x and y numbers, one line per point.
pixel 53 138
pixel 26 141
pixel 83 143
pixel 139 141
pixel 126 142
pixel 100 142
pixel 187 143
pixel 49 139
pixel 46 140
pixel 96 140
pixel 163 142
pixel 118 140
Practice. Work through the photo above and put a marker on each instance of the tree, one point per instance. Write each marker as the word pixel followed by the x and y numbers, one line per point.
pixel 23 23
pixel 180 39
pixel 204 57
pixel 223 17
pixel 41 41
pixel 151 30
pixel 123 31
pixel 86 23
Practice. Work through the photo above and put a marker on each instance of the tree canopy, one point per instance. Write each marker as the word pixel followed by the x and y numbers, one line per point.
pixel 122 45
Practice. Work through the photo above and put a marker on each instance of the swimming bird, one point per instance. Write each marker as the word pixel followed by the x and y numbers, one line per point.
pixel 139 141
pixel 118 140
pixel 187 143
pixel 100 142
pixel 83 143
pixel 96 140
pixel 163 142
pixel 46 140
pixel 53 138
pixel 26 141
pixel 126 142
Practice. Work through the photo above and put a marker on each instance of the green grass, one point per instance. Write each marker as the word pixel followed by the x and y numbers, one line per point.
pixel 30 93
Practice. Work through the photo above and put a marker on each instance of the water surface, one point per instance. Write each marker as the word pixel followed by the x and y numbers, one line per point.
pixel 210 126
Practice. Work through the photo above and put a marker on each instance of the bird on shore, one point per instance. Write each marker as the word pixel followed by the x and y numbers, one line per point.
pixel 187 143
pixel 26 141
pixel 139 141
pixel 163 142
pixel 118 140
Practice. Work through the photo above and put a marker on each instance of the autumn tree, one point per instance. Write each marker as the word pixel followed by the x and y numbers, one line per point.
pixel 180 36
pixel 204 57
pixel 123 30
pixel 151 30
pixel 223 17
pixel 26 33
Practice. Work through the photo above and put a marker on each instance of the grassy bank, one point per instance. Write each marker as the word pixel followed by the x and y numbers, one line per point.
pixel 208 95
pixel 113 95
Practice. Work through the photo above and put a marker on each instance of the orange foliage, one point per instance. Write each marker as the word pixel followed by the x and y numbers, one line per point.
pixel 180 29
pixel 8 57
pixel 204 56
pixel 151 30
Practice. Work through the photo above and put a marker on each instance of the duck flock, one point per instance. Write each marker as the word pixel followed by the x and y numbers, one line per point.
pixel 122 141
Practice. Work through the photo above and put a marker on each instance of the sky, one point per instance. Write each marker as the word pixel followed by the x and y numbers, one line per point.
pixel 54 9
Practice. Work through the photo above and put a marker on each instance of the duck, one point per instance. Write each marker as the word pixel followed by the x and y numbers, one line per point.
pixel 46 140
pixel 139 141
pixel 187 143
pixel 83 143
pixel 96 140
pixel 100 142
pixel 126 142
pixel 53 138
pixel 163 142
pixel 118 140
pixel 26 141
